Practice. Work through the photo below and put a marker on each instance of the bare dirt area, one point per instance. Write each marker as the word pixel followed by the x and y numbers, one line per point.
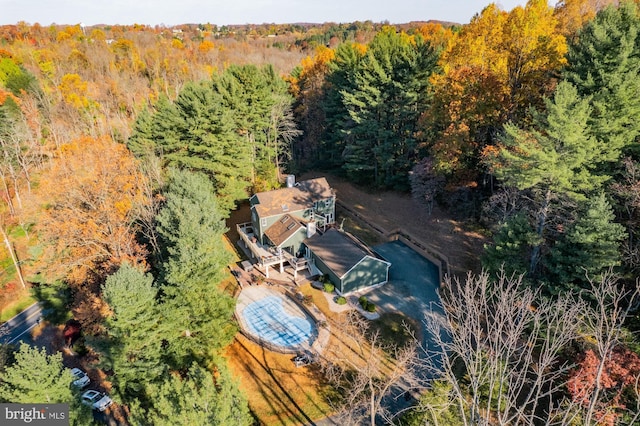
pixel 388 211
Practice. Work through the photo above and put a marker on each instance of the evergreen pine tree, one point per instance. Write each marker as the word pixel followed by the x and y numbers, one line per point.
pixel 197 399
pixel 604 64
pixel 511 248
pixel 132 346
pixel 384 106
pixel 590 247
pixel 199 315
pixel 555 159
pixel 36 377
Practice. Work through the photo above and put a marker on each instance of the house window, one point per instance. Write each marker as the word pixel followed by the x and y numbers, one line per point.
pixel 284 219
pixel 291 226
pixel 263 222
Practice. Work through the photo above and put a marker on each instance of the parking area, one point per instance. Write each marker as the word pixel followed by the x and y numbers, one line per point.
pixel 413 285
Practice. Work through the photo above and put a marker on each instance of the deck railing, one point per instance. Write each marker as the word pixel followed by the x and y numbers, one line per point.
pixel 245 230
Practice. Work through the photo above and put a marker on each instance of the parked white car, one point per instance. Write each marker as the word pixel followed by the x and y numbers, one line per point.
pixel 96 400
pixel 80 378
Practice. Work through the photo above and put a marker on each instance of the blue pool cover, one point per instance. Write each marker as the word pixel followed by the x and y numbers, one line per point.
pixel 267 319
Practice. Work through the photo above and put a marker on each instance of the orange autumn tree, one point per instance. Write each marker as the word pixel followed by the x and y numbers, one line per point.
pixel 436 34
pixel 573 14
pixel 619 374
pixel 308 85
pixel 89 220
pixel 493 70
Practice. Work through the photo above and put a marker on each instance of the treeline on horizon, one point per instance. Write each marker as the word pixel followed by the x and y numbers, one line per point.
pixel 118 143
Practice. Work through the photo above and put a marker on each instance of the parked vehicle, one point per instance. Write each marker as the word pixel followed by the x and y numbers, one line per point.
pixel 80 378
pixel 301 360
pixel 97 400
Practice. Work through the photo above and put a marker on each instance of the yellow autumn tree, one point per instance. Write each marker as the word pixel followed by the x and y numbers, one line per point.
pixel 74 91
pixel 493 70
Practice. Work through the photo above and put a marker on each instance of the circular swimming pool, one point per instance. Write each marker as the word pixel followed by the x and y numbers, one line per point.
pixel 274 320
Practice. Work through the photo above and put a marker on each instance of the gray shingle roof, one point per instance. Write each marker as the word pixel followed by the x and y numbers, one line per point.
pixel 300 197
pixel 338 250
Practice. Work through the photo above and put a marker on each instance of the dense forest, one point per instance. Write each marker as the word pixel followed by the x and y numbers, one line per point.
pixel 125 148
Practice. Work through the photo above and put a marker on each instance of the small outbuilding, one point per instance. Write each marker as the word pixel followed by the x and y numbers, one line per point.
pixel 350 265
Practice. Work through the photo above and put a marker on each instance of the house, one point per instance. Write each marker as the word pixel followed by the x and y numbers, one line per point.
pixel 292 227
pixel 350 264
pixel 283 218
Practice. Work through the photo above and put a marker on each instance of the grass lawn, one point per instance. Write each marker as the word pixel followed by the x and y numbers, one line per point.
pixel 279 393
pixel 20 299
pixel 395 329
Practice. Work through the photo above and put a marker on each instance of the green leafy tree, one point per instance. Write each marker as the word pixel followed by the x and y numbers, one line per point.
pixel 589 248
pixel 384 107
pixel 512 245
pixel 434 407
pixel 15 78
pixel 36 377
pixel 556 158
pixel 197 132
pixel 604 64
pixel 197 399
pixel 131 347
pixel 199 315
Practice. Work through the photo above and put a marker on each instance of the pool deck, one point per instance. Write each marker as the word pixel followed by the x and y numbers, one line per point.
pixel 251 294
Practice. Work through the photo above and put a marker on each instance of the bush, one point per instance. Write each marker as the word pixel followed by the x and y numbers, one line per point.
pixel 371 307
pixel 341 300
pixel 329 287
pixel 363 301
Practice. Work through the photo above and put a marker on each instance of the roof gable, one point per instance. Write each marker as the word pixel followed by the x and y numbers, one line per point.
pixel 283 229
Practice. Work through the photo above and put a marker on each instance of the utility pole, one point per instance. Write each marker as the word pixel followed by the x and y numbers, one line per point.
pixel 12 253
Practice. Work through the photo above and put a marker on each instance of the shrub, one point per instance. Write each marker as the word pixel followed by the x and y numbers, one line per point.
pixel 363 301
pixel 329 287
pixel 341 300
pixel 371 307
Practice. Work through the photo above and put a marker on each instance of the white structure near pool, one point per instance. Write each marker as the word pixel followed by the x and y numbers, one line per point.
pixel 274 320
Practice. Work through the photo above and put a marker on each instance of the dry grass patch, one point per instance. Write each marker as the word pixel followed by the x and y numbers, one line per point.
pixel 278 392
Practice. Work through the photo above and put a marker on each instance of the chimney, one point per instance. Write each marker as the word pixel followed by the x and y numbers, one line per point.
pixel 311 229
pixel 291 181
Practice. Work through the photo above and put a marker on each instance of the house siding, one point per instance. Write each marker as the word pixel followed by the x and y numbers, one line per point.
pixel 325 270
pixel 293 244
pixel 367 273
pixel 325 206
pixel 270 220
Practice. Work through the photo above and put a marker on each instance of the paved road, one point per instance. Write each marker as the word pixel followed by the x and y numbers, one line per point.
pixel 18 327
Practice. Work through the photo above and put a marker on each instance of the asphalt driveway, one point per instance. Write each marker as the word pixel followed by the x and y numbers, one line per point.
pixel 413 285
